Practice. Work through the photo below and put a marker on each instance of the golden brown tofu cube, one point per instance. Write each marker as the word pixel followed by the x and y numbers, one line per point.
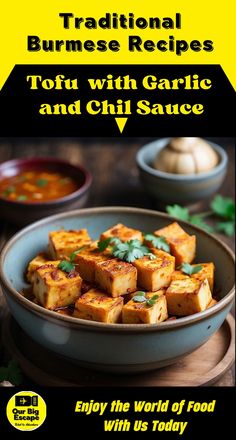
pixel 141 313
pixel 182 245
pixel 178 275
pixel 55 288
pixel 116 277
pixel 188 296
pixel 38 261
pixel 122 232
pixel 95 305
pixel 155 274
pixel 63 243
pixel 207 271
pixel 86 260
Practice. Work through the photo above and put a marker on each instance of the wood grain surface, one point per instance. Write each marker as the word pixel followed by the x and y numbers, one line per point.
pixel 115 179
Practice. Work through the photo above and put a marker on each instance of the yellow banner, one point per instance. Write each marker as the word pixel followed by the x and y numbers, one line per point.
pixel 124 32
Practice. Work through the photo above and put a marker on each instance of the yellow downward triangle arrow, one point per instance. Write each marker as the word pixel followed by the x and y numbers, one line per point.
pixel 121 123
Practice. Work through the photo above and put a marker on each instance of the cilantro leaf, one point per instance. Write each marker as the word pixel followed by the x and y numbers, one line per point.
pixel 8 191
pixel 22 198
pixel 130 251
pixel 227 228
pixel 223 206
pixel 158 242
pixel 66 266
pixel 198 221
pixel 151 301
pixel 104 244
pixel 139 293
pixel 189 269
pixel 42 182
pixel 73 255
pixel 141 297
pixel 11 373
pixel 178 211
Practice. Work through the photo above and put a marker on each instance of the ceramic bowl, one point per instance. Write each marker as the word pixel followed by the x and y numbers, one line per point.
pixel 22 213
pixel 178 188
pixel 117 348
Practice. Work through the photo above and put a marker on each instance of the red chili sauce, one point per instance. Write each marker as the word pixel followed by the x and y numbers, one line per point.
pixel 37 186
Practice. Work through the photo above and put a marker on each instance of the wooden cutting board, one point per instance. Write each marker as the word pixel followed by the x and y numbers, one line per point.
pixel 200 368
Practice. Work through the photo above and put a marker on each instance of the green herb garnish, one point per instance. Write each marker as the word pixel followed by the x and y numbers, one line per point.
pixel 131 250
pixel 141 297
pixel 8 191
pixel 42 182
pixel 228 228
pixel 104 244
pixel 73 255
pixel 128 251
pixel 66 266
pixel 179 212
pixel 189 269
pixel 158 242
pixel 11 373
pixel 22 198
pixel 221 207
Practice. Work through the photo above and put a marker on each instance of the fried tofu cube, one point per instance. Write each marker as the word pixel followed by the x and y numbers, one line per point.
pixel 38 261
pixel 63 243
pixel 208 270
pixel 55 288
pixel 122 232
pixel 182 245
pixel 86 260
pixel 155 274
pixel 188 296
pixel 116 277
pixel 141 313
pixel 95 305
pixel 178 275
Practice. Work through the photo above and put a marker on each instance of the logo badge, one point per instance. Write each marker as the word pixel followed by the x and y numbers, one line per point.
pixel 26 411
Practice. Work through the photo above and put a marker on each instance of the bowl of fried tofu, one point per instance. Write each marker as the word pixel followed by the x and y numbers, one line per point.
pixel 117 289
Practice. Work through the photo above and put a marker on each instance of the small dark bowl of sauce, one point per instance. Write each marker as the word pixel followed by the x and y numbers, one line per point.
pixel 31 189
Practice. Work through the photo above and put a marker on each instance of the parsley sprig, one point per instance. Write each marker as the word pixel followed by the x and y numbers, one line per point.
pixel 158 242
pixel 189 269
pixel 222 208
pixel 128 251
pixel 68 266
pixel 141 297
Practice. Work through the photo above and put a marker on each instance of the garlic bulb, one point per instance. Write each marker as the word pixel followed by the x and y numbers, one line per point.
pixel 186 155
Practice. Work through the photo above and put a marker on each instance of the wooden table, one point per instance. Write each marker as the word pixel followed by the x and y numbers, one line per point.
pixel 116 181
